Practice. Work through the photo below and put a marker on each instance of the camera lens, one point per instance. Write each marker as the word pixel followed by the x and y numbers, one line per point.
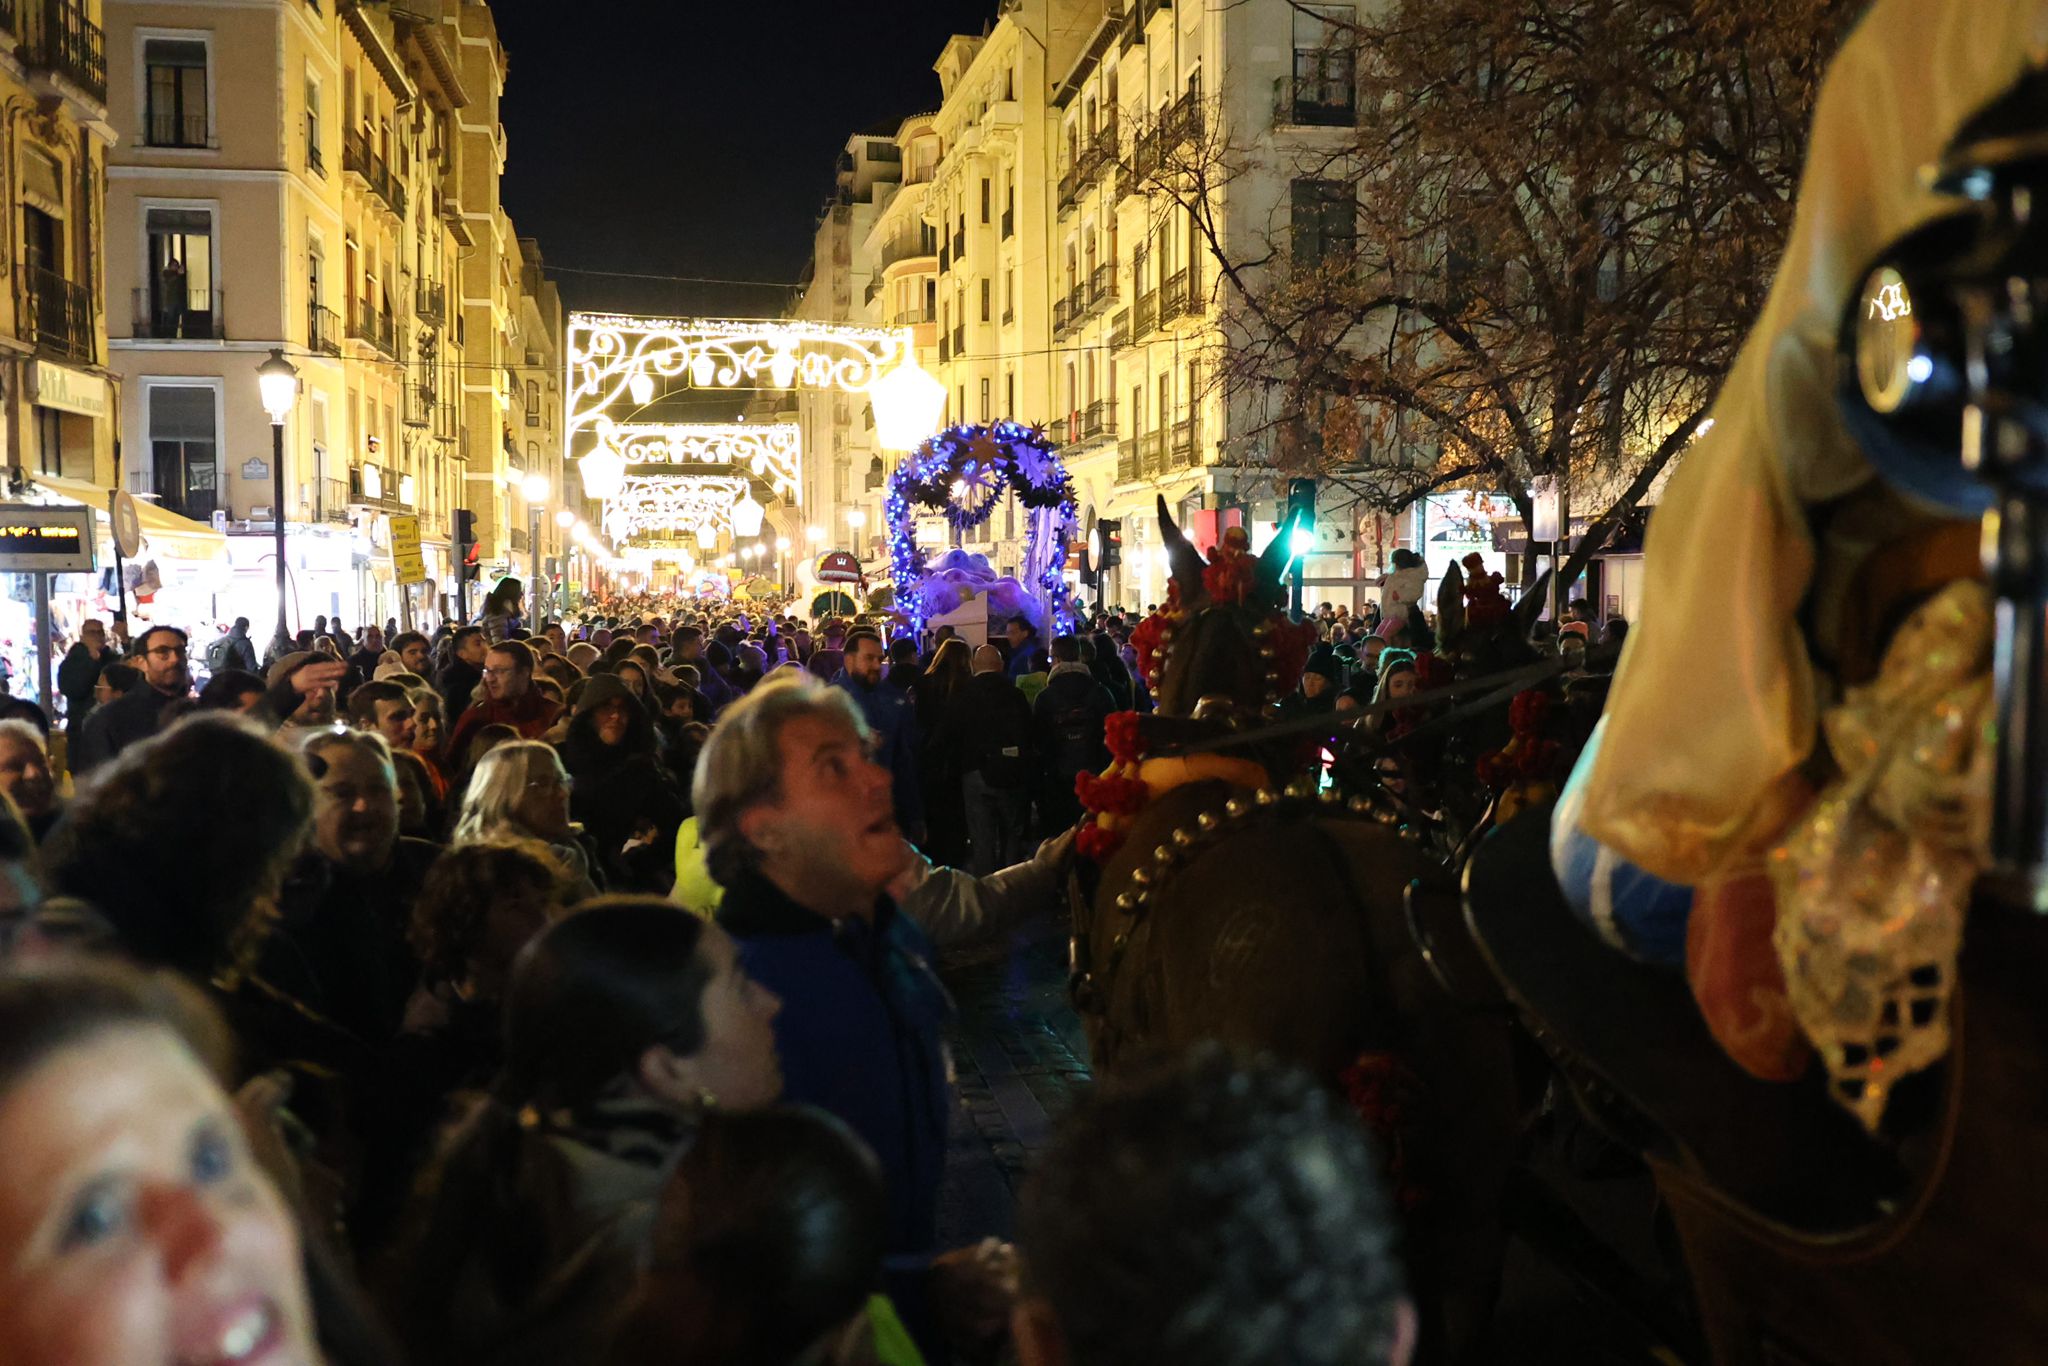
pixel 1891 364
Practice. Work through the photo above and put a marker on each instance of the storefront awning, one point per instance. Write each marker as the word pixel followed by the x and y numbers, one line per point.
pixel 166 533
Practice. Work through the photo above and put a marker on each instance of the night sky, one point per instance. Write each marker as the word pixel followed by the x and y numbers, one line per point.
pixel 691 138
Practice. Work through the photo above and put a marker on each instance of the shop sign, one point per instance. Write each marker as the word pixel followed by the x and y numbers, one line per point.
pixel 35 539
pixel 407 563
pixel 70 391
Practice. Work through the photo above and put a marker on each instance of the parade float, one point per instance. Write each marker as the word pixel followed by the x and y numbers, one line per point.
pixel 963 474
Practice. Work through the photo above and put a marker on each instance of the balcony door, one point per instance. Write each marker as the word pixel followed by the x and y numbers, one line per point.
pixel 176 92
pixel 180 293
pixel 184 447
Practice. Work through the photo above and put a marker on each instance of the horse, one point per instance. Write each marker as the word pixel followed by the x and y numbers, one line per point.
pixel 1239 900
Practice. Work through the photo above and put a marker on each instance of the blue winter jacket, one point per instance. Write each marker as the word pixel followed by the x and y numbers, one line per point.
pixel 860 1035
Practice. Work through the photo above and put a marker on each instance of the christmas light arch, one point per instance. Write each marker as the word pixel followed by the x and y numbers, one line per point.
pixel 965 472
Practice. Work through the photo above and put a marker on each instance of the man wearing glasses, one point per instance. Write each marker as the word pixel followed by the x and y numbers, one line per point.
pixel 142 711
pixel 509 698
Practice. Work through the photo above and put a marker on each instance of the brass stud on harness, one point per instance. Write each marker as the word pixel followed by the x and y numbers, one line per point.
pixel 1164 855
pixel 1184 838
pixel 1141 876
pixel 1207 821
pixel 1235 808
pixel 1126 902
pixel 1265 796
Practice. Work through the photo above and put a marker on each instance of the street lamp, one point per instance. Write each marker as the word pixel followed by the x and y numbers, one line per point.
pixel 279 384
pixel 909 405
pixel 856 518
pixel 535 487
pixel 565 519
pixel 785 569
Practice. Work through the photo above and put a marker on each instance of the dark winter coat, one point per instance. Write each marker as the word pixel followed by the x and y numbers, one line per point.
pixel 859 1035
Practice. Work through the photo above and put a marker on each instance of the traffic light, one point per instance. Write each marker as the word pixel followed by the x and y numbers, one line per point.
pixel 465 546
pixel 1300 521
pixel 1109 539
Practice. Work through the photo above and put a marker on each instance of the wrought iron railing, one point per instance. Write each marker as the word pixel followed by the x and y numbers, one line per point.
pixel 323 330
pixel 1146 317
pixel 57 314
pixel 69 44
pixel 371 324
pixel 430 301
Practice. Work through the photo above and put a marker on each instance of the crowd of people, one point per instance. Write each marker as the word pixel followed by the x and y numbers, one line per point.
pixel 568 996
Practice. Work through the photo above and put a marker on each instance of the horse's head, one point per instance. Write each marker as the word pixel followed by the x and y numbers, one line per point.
pixel 1221 646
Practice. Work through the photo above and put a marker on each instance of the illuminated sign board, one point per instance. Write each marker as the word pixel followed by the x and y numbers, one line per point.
pixel 45 540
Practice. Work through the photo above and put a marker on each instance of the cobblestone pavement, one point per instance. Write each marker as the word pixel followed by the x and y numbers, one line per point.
pixel 1021 1058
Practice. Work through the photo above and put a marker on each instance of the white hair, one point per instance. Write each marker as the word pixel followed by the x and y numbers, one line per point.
pixel 500 780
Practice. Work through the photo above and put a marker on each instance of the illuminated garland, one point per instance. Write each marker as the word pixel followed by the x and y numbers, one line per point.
pixel 964 472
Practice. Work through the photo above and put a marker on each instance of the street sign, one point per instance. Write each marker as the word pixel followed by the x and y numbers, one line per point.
pixel 407 564
pixel 35 539
pixel 127 525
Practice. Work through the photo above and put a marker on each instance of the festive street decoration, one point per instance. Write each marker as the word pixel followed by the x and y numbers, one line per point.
pixel 772 452
pixel 671 505
pixel 965 472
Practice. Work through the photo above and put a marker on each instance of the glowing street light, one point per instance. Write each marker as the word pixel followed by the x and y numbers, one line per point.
pixel 815 535
pixel 746 516
pixel 535 487
pixel 565 519
pixel 856 518
pixel 909 405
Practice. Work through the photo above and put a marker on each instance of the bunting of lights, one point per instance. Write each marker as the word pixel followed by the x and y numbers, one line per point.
pixel 667 506
pixel 619 364
pixel 771 452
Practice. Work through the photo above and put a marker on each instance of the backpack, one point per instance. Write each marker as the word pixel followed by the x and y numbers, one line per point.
pixel 220 654
pixel 1003 746
pixel 1076 738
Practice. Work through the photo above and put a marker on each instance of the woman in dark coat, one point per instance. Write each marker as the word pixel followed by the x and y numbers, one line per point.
pixel 939 696
pixel 623 796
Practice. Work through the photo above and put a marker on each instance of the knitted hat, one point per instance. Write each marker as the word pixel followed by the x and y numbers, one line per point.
pixel 1323 660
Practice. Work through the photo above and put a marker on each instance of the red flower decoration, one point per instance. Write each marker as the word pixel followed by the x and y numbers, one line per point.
pixel 1388 1098
pixel 1121 732
pixel 1231 576
pixel 1146 640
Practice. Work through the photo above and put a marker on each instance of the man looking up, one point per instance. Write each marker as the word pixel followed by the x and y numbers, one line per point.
pixel 141 712
pixel 509 698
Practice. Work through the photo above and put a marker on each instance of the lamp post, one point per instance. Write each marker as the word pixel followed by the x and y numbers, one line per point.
pixel 279 384
pixel 535 487
pixel 788 569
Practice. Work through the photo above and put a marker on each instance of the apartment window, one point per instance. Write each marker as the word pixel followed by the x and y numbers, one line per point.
pixel 1324 222
pixel 184 449
pixel 984 399
pixel 533 403
pixel 1325 63
pixel 986 290
pixel 1010 393
pixel 179 299
pixel 987 195
pixel 174 94
pixel 315 158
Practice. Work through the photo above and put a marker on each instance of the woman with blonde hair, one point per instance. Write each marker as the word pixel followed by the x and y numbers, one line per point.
pixel 520 791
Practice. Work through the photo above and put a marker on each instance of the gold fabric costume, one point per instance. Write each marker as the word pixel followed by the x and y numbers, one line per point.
pixel 1716 702
pixel 1872 884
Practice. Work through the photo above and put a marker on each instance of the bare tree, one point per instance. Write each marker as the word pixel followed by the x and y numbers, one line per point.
pixel 1531 252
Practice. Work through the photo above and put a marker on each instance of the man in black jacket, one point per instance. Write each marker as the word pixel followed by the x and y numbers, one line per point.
pixel 76 677
pixel 998 764
pixel 142 712
pixel 463 672
pixel 1068 718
